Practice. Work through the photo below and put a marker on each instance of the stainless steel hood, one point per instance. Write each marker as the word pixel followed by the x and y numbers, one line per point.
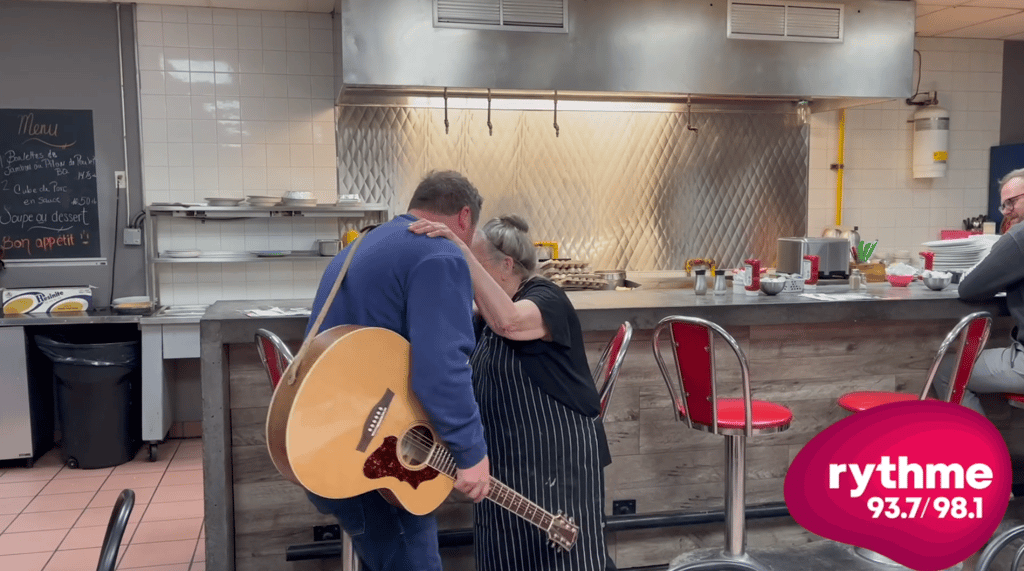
pixel 635 46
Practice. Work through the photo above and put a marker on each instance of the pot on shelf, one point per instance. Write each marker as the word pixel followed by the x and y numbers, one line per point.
pixel 614 278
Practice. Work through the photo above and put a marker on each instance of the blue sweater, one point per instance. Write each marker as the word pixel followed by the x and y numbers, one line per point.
pixel 420 288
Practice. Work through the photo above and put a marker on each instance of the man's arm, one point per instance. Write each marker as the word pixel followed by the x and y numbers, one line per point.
pixel 1003 267
pixel 441 335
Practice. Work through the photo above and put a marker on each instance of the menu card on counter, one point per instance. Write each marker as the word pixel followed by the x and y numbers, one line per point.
pixel 48 206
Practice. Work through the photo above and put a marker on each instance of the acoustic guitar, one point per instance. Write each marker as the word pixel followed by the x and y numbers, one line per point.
pixel 349 424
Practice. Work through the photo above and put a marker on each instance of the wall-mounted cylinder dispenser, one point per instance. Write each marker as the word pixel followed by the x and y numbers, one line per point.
pixel 931 142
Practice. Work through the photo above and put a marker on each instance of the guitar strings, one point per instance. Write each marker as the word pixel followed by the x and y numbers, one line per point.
pixel 425 444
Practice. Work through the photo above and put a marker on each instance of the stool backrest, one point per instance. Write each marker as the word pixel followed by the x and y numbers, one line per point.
pixel 115 530
pixel 692 383
pixel 973 331
pixel 274 353
pixel 607 369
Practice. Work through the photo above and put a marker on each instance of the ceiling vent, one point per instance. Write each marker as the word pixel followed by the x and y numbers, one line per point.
pixel 789 21
pixel 509 15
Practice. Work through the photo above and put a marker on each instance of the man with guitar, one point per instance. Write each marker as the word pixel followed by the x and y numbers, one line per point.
pixel 419 288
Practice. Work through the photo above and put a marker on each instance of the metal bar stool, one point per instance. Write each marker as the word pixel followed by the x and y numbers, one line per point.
pixel 692 385
pixel 973 331
pixel 975 328
pixel 276 357
pixel 607 369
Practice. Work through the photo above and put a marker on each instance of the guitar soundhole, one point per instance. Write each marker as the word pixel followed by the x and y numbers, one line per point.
pixel 416 446
pixel 384 462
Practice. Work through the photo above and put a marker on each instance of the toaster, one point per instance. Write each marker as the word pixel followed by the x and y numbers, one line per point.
pixel 833 255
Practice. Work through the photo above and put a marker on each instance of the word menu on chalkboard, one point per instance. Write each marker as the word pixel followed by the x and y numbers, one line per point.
pixel 48 206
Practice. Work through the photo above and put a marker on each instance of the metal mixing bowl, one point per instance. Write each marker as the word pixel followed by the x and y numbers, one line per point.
pixel 937 283
pixel 772 288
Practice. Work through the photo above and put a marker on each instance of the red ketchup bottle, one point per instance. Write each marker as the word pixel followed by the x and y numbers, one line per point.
pixel 810 271
pixel 929 259
pixel 752 279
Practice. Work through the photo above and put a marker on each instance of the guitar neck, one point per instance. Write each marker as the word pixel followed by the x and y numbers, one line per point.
pixel 440 459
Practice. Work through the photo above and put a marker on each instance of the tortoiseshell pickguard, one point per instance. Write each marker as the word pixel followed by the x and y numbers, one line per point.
pixel 384 462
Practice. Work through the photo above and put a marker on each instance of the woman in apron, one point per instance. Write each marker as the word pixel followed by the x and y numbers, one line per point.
pixel 538 404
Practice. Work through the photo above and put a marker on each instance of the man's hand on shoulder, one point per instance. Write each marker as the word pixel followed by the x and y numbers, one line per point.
pixel 475 482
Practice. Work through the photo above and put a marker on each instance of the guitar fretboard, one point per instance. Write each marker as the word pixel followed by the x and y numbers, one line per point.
pixel 441 460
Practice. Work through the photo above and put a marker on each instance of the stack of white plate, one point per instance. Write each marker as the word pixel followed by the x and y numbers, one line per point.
pixel 180 254
pixel 298 201
pixel 957 255
pixel 264 200
pixel 349 200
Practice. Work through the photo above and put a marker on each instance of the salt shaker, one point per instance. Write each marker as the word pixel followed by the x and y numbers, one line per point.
pixel 720 282
pixel 700 285
pixel 856 279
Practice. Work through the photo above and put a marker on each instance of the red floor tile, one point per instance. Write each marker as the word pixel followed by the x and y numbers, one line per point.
pixel 92 536
pixel 31 542
pixel 107 498
pixel 163 553
pixel 177 493
pixel 29 474
pixel 25 562
pixel 170 530
pixel 200 552
pixel 22 489
pixel 71 485
pixel 74 560
pixel 198 566
pixel 41 521
pixel 174 510
pixel 6 520
pixel 101 516
pixel 133 481
pixel 14 505
pixel 182 477
pixel 56 502
pixel 68 473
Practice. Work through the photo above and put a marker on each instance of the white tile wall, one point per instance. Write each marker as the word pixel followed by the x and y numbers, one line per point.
pixel 235 103
pixel 880 194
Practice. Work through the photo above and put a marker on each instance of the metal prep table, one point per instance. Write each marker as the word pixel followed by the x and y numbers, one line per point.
pixel 170 333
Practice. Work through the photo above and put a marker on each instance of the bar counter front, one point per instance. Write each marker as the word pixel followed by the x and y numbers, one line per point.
pixel 803 353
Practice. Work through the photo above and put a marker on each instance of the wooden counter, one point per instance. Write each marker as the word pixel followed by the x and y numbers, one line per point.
pixel 802 353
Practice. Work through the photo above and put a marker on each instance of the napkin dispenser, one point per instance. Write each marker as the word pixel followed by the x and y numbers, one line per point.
pixel 833 255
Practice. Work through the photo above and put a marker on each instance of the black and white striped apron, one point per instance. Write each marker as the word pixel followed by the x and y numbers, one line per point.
pixel 543 450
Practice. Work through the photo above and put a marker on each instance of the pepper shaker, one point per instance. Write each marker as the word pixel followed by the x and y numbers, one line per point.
pixel 700 285
pixel 720 288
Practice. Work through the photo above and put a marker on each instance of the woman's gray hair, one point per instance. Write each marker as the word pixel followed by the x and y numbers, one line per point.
pixel 509 236
pixel 1019 173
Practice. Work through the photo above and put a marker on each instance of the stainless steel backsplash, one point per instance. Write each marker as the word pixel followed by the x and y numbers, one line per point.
pixel 623 190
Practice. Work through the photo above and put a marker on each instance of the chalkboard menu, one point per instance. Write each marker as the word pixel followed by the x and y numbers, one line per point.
pixel 48 207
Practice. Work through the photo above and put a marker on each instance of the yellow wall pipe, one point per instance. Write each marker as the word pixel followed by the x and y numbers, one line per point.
pixel 839 168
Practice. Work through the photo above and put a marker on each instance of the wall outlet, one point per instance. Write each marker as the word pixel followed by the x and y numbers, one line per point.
pixel 132 237
pixel 120 180
pixel 624 507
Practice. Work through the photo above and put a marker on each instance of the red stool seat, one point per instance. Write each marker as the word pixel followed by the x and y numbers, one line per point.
pixel 863 400
pixel 764 414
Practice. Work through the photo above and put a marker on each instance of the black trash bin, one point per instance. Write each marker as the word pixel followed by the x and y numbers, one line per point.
pixel 94 396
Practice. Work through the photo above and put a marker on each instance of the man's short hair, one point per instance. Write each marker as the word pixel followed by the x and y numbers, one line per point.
pixel 1019 173
pixel 447 192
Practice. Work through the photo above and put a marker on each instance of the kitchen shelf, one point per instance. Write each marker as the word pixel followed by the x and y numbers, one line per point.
pixel 244 259
pixel 203 213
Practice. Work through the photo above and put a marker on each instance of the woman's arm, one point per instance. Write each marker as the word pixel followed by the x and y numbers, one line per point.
pixel 519 321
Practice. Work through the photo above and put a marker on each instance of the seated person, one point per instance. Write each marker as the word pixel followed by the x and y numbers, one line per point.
pixel 1001 369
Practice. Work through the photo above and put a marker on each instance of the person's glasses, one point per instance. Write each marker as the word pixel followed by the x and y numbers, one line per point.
pixel 1009 203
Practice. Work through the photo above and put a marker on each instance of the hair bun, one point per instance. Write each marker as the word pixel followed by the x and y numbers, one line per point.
pixel 516 222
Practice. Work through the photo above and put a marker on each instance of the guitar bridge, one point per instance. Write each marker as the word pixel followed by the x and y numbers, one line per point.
pixel 374 420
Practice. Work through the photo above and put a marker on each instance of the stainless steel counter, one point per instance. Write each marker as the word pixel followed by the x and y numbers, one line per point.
pixel 66 318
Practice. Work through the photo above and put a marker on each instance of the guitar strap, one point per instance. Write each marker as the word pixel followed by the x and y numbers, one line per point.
pixel 293 367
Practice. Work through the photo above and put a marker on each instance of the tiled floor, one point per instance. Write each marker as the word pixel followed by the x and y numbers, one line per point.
pixel 53 518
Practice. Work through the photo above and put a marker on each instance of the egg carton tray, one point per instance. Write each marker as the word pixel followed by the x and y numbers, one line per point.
pixel 550 268
pixel 579 281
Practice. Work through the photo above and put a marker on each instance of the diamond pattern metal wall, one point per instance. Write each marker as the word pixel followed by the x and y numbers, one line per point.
pixel 623 190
